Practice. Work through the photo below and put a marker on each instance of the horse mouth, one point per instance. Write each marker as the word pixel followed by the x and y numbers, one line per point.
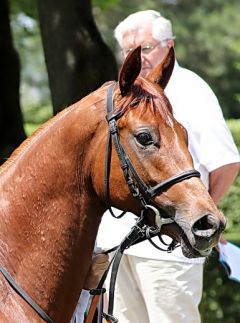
pixel 177 233
pixel 190 252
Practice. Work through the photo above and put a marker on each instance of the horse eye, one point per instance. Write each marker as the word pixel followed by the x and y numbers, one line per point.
pixel 144 138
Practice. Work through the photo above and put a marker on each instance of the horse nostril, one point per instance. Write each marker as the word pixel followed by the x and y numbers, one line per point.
pixel 206 226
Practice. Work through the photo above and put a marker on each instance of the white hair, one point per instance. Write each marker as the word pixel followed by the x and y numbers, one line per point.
pixel 161 27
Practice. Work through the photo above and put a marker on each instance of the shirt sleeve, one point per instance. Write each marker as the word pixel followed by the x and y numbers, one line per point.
pixel 78 316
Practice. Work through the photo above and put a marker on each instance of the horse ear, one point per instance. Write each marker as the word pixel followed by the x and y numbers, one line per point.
pixel 162 72
pixel 130 70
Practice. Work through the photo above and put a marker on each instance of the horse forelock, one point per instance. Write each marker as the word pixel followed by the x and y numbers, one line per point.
pixel 144 95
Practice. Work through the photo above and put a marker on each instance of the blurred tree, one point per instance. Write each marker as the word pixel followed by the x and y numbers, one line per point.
pixel 78 61
pixel 35 94
pixel 11 121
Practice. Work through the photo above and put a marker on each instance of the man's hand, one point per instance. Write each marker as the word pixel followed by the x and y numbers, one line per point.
pixel 99 265
pixel 222 241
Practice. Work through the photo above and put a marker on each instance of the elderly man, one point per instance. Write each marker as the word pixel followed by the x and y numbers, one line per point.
pixel 155 286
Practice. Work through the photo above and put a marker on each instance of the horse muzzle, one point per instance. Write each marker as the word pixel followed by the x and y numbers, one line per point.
pixel 202 236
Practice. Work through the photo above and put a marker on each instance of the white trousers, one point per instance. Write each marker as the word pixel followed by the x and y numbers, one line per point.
pixel 157 291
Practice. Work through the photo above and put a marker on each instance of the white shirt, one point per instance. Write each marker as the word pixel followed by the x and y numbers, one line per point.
pixel 211 145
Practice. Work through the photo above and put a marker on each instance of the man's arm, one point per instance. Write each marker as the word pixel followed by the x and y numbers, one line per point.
pixel 221 179
pixel 219 182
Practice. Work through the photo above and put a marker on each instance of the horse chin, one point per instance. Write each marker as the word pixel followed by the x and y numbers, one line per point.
pixel 174 231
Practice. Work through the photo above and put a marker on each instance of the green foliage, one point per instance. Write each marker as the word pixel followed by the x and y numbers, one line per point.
pixel 26 6
pixel 230 205
pixel 221 296
pixel 30 128
pixel 212 49
pixel 34 82
pixel 37 114
pixel 234 126
pixel 105 4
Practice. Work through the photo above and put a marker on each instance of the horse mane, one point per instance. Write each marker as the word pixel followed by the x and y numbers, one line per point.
pixel 146 95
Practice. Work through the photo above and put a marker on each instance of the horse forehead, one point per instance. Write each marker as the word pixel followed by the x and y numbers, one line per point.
pixel 143 114
pixel 156 103
pixel 147 114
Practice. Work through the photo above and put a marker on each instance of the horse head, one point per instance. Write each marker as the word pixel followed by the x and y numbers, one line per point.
pixel 156 146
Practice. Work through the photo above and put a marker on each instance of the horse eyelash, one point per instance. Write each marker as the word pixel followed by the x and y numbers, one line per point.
pixel 134 103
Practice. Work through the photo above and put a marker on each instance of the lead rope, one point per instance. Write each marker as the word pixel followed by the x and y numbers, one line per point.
pixel 136 233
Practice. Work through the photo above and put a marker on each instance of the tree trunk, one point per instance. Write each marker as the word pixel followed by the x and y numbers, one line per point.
pixel 78 61
pixel 11 121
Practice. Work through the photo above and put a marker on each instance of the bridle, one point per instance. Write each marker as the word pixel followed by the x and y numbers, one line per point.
pixel 136 185
pixel 139 190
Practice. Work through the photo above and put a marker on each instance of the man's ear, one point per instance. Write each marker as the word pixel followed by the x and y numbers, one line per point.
pixel 162 72
pixel 130 70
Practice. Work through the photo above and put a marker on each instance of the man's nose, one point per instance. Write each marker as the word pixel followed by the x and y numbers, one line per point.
pixel 143 57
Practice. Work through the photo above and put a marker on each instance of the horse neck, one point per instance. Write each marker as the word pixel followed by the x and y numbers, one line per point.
pixel 50 214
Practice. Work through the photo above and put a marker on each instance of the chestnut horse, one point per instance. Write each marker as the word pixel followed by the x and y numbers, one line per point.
pixel 52 191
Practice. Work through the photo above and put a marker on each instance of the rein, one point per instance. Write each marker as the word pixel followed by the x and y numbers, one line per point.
pixel 140 231
pixel 25 296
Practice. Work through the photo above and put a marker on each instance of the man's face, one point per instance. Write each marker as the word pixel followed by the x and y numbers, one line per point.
pixel 153 51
